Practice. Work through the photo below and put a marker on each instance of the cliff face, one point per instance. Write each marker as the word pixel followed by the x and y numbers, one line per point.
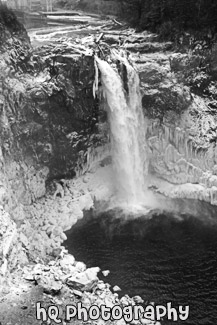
pixel 179 102
pixel 48 116
pixel 48 120
pixel 15 50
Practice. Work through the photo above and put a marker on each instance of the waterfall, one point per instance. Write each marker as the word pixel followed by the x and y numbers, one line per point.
pixel 127 128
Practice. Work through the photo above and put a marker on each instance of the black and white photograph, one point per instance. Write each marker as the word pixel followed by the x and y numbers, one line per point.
pixel 108 162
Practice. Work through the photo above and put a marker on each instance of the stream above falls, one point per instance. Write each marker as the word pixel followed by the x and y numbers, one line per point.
pixel 163 259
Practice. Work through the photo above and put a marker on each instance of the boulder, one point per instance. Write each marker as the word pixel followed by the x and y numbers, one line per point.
pixel 67 263
pixel 84 281
pixel 49 284
pixel 116 288
pixel 80 266
pixel 106 272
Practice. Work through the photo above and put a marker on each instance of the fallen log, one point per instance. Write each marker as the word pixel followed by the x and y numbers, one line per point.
pixel 99 38
pixel 117 22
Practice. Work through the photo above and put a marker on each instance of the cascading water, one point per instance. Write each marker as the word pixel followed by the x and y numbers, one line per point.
pixel 128 129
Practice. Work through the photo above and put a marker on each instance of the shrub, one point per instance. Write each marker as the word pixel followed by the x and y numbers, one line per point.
pixel 9 19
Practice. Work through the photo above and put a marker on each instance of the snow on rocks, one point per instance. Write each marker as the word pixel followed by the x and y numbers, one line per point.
pixel 80 266
pixel 8 237
pixel 116 288
pixel 67 261
pixel 84 281
pixel 105 272
pixel 42 232
pixel 61 279
pixel 62 271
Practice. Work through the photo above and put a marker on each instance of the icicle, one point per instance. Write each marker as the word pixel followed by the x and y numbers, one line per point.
pixel 96 80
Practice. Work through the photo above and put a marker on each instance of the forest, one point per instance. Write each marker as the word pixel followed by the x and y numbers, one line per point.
pixel 183 14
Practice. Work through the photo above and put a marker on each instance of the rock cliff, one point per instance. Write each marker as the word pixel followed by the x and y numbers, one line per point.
pixel 182 122
pixel 53 128
pixel 48 125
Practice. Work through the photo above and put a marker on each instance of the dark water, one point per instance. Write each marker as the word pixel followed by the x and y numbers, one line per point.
pixel 162 259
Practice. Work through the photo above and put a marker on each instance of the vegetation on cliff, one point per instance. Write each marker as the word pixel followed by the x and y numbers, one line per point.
pixel 9 23
pixel 196 14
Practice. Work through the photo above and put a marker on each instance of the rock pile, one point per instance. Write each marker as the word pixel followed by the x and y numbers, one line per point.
pixel 66 280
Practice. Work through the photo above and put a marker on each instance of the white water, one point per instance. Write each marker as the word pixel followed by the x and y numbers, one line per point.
pixel 128 129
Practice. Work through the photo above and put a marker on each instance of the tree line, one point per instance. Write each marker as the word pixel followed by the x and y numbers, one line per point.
pixel 184 14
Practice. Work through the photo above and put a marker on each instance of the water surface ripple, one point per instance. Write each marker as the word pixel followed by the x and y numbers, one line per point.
pixel 162 259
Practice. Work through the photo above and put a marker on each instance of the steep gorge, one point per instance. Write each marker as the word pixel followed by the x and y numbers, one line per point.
pixel 54 135
pixel 54 129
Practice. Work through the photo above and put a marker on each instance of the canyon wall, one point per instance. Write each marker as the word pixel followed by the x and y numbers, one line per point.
pixel 182 124
pixel 48 118
pixel 48 128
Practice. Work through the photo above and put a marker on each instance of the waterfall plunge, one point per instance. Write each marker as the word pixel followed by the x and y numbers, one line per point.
pixel 128 129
